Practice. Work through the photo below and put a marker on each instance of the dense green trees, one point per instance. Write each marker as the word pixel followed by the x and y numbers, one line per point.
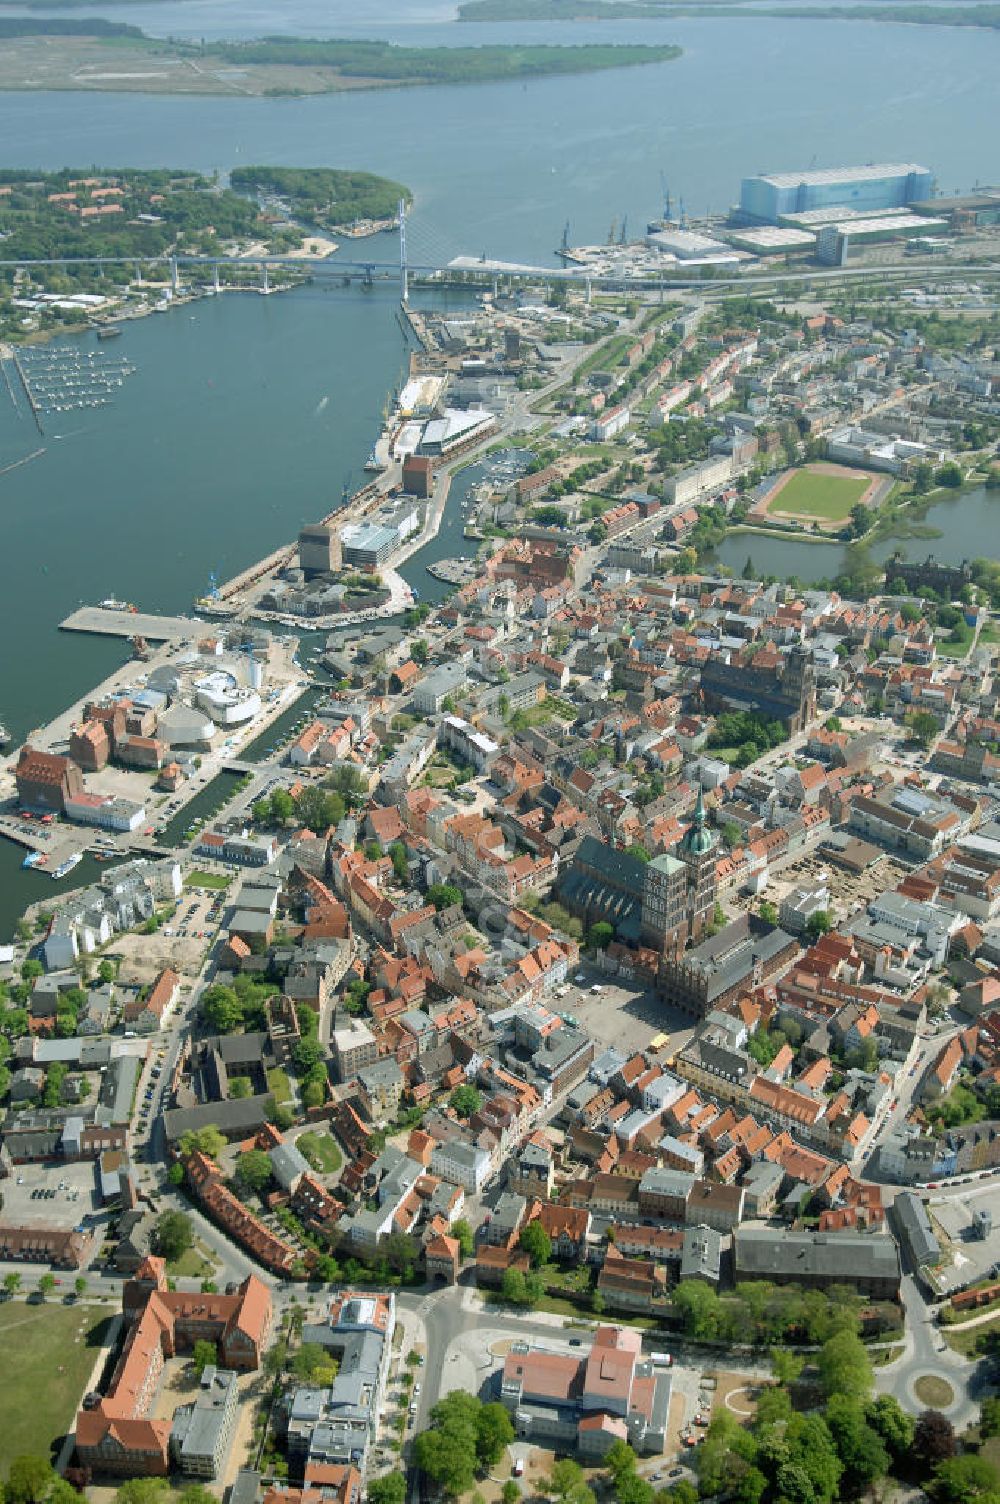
pixel 191 205
pixel 465 1100
pixel 521 1289
pixel 536 1243
pixel 465 1435
pixel 28 1479
pixel 209 1141
pixel 949 474
pixel 443 895
pixel 326 196
pixel 389 1489
pixel 172 1235
pixel 746 736
pixel 253 1170
pixel 844 1366
pixel 960 1480
pixel 221 1009
pixel 203 1355
pixel 229 1008
pixel 463 1232
pixel 787 1456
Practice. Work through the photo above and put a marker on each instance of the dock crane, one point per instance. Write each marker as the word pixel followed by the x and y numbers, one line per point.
pixel 668 209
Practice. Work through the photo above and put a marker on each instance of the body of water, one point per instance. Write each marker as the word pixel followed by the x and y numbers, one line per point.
pixel 503 167
pixel 969 524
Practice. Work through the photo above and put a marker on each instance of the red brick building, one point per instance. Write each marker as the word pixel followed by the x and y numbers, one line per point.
pixel 45 780
pixel 115 1435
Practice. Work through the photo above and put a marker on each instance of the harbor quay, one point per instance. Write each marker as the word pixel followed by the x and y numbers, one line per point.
pixel 161 775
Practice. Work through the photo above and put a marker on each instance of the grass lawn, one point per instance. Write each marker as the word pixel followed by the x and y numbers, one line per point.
pixel 56 1347
pixel 811 493
pixel 214 880
pixel 933 1391
pixel 953 649
pixel 605 356
pixel 279 1086
pixel 535 715
pixel 321 1152
pixel 194 1263
pixel 965 1340
pixel 567 1279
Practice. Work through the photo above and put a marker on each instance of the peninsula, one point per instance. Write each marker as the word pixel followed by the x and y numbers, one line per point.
pixel 41 53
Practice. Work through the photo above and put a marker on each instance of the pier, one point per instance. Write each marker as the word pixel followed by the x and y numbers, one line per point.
pixel 102 622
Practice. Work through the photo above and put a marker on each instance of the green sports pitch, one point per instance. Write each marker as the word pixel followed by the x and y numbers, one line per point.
pixel 826 495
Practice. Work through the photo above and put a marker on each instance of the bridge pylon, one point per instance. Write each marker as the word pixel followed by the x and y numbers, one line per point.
pixel 404 275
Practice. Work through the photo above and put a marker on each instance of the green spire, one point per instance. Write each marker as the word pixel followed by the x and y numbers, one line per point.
pixel 698 839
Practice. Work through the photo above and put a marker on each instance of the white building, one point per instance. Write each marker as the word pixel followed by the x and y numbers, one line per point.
pixel 105 812
pixel 461 1164
pixel 608 425
pixel 471 745
pixel 698 480
pixel 225 699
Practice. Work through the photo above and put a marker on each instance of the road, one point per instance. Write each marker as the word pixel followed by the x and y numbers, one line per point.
pixel 927 1354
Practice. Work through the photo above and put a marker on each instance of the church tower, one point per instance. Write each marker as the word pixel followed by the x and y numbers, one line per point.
pixel 697 850
pixel 798 686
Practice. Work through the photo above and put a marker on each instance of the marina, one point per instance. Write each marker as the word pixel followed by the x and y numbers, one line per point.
pixel 63 378
pixel 454 571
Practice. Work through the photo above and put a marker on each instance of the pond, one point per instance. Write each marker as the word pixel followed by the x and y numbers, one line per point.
pixel 968 523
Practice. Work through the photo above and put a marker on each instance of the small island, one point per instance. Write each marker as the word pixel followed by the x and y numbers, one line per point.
pixel 66 53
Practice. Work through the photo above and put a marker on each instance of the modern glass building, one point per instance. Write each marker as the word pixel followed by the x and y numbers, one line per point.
pixel 882 185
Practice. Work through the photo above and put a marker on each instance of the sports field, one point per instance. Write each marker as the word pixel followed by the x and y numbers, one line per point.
pixel 823 493
pixel 41 1387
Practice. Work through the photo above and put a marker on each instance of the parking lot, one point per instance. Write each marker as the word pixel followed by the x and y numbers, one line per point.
pixel 972 1257
pixel 180 943
pixel 58 1195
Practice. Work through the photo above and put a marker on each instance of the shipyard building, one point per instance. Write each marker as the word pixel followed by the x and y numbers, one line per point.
pixel 882 185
